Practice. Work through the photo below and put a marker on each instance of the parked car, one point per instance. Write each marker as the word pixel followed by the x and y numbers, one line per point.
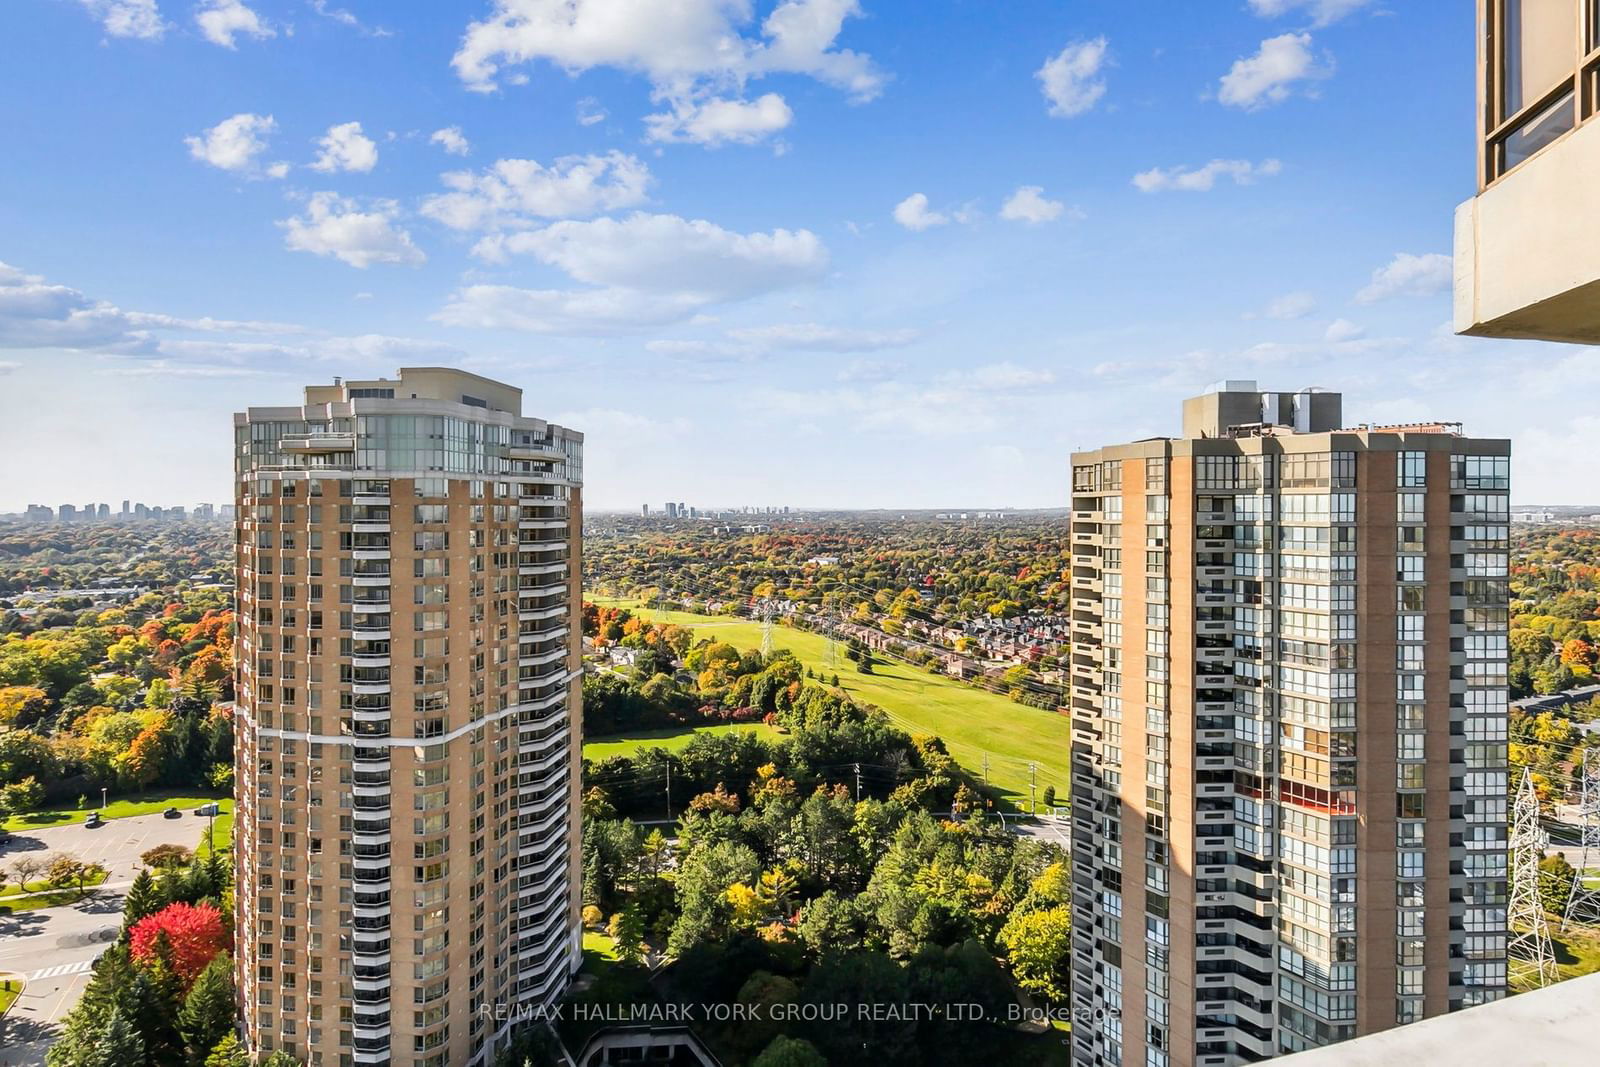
pixel 171 813
pixel 208 809
pixel 94 820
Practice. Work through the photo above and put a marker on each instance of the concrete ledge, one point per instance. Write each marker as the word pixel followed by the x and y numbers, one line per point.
pixel 1527 249
pixel 1554 1026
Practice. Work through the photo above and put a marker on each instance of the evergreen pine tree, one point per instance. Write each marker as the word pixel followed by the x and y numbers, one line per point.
pixel 119 1044
pixel 170 887
pixel 143 900
pixel 592 875
pixel 197 883
pixel 228 1053
pixel 110 991
pixel 158 992
pixel 207 1013
pixel 217 869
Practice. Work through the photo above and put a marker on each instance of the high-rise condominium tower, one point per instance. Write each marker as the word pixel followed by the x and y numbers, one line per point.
pixel 407 719
pixel 1288 731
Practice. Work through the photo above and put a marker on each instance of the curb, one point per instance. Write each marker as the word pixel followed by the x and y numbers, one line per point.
pixel 21 985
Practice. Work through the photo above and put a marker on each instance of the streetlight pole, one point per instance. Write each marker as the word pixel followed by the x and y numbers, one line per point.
pixel 102 798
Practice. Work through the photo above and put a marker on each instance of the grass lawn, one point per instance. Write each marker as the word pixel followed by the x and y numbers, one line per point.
pixel 671 738
pixel 598 948
pixel 41 886
pixel 613 982
pixel 974 723
pixel 53 899
pixel 1577 951
pixel 10 990
pixel 221 835
pixel 151 803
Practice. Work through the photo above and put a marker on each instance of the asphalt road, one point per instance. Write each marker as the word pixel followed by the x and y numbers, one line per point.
pixel 1051 829
pixel 52 949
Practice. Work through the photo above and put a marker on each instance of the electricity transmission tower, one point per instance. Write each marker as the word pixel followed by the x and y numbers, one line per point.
pixel 1530 957
pixel 1583 903
pixel 766 628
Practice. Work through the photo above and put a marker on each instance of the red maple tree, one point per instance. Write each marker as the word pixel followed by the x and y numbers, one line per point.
pixel 195 932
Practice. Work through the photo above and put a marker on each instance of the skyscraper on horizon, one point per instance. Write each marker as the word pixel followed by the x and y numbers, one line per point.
pixel 407 730
pixel 1288 701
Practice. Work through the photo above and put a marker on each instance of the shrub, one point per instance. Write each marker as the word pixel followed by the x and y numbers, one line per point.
pixel 164 856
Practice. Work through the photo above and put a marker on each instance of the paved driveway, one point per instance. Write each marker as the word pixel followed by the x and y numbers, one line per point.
pixel 53 948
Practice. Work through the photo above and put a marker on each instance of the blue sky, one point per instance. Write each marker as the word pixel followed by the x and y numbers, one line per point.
pixel 819 252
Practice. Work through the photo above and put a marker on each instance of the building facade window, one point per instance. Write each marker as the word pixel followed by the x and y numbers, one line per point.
pixel 1543 61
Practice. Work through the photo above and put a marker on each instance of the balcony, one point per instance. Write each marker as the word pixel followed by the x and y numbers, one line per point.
pixel 532 742
pixel 545 451
pixel 374 985
pixel 317 443
pixel 372 909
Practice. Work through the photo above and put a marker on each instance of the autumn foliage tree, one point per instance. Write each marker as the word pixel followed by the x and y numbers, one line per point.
pixel 142 763
pixel 195 933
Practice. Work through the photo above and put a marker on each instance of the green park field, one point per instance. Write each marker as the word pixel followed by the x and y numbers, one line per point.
pixel 670 739
pixel 973 723
pixel 149 803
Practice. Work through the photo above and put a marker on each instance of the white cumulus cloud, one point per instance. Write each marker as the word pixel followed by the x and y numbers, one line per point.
pixel 642 270
pixel 346 18
pixel 870 370
pixel 1269 76
pixel 220 21
pixel 1322 12
pixel 718 121
pixel 345 147
pixel 1203 179
pixel 1028 204
pixel 575 312
pixel 1408 275
pixel 704 351
pixel 336 226
pixel 1296 305
pixel 139 19
pixel 666 253
pixel 1070 80
pixel 692 51
pixel 590 113
pixel 672 43
pixel 37 314
pixel 998 378
pixel 1341 330
pixel 516 192
pixel 815 337
pixel 234 144
pixel 451 140
pixel 913 213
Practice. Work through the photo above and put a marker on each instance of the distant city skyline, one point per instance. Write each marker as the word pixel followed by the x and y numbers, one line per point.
pixel 888 270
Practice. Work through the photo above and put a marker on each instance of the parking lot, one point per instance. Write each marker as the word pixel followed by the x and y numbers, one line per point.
pixel 116 845
pixel 53 948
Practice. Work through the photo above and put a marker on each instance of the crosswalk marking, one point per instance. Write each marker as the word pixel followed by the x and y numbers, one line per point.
pixel 61 969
